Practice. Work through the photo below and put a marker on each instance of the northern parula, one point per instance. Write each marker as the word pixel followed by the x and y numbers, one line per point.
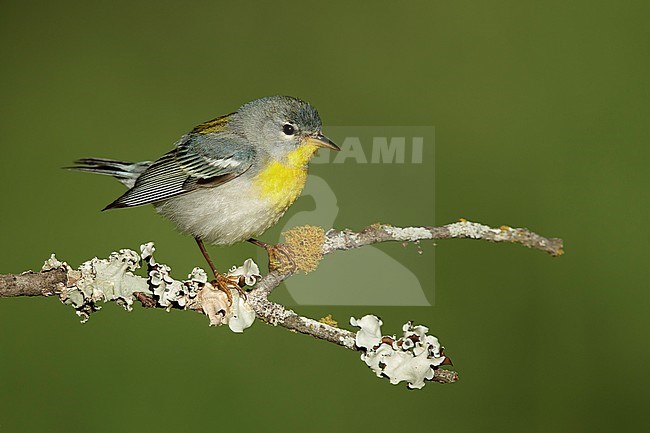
pixel 230 178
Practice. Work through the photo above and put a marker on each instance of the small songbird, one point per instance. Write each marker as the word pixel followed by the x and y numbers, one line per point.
pixel 230 178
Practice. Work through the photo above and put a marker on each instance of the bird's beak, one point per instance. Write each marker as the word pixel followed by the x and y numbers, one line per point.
pixel 321 141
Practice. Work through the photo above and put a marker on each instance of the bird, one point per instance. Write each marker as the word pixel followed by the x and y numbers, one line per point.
pixel 229 179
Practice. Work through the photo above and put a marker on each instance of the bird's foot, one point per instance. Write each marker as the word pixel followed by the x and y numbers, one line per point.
pixel 223 283
pixel 281 258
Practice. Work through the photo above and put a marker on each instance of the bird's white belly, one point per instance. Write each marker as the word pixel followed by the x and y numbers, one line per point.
pixel 229 213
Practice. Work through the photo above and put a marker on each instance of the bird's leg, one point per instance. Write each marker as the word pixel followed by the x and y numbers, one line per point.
pixel 280 255
pixel 207 258
pixel 220 281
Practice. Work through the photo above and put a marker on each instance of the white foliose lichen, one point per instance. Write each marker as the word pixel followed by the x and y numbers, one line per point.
pixel 238 316
pixel 370 333
pixel 249 272
pixel 53 263
pixel 412 358
pixel 112 279
pixel 109 279
pixel 169 292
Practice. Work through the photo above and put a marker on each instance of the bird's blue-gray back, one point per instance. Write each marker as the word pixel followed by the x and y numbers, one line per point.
pixel 198 161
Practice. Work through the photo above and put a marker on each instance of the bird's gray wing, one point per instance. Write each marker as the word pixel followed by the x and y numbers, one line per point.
pixel 198 161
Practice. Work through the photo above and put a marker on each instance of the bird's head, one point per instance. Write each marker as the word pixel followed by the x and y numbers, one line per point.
pixel 283 126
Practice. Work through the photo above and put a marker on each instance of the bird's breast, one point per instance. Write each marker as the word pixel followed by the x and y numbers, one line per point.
pixel 281 182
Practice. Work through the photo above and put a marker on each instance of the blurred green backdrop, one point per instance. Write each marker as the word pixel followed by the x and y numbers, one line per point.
pixel 541 116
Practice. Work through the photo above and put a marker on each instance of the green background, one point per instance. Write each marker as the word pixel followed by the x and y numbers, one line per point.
pixel 541 116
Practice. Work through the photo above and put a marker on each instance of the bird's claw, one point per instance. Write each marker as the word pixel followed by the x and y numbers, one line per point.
pixel 223 283
pixel 281 258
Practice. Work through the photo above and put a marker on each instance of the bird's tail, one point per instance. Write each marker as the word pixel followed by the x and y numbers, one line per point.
pixel 125 172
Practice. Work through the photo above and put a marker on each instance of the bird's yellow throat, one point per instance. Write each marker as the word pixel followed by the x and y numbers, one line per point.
pixel 282 183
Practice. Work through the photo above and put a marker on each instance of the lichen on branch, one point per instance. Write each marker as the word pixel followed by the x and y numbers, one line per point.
pixel 415 357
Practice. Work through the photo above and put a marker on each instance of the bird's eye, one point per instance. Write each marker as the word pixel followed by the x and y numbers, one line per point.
pixel 288 129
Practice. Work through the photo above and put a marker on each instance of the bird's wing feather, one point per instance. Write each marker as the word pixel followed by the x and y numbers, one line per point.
pixel 198 161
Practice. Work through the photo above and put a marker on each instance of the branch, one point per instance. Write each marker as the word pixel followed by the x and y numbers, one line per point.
pixel 33 283
pixel 346 239
pixel 112 280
